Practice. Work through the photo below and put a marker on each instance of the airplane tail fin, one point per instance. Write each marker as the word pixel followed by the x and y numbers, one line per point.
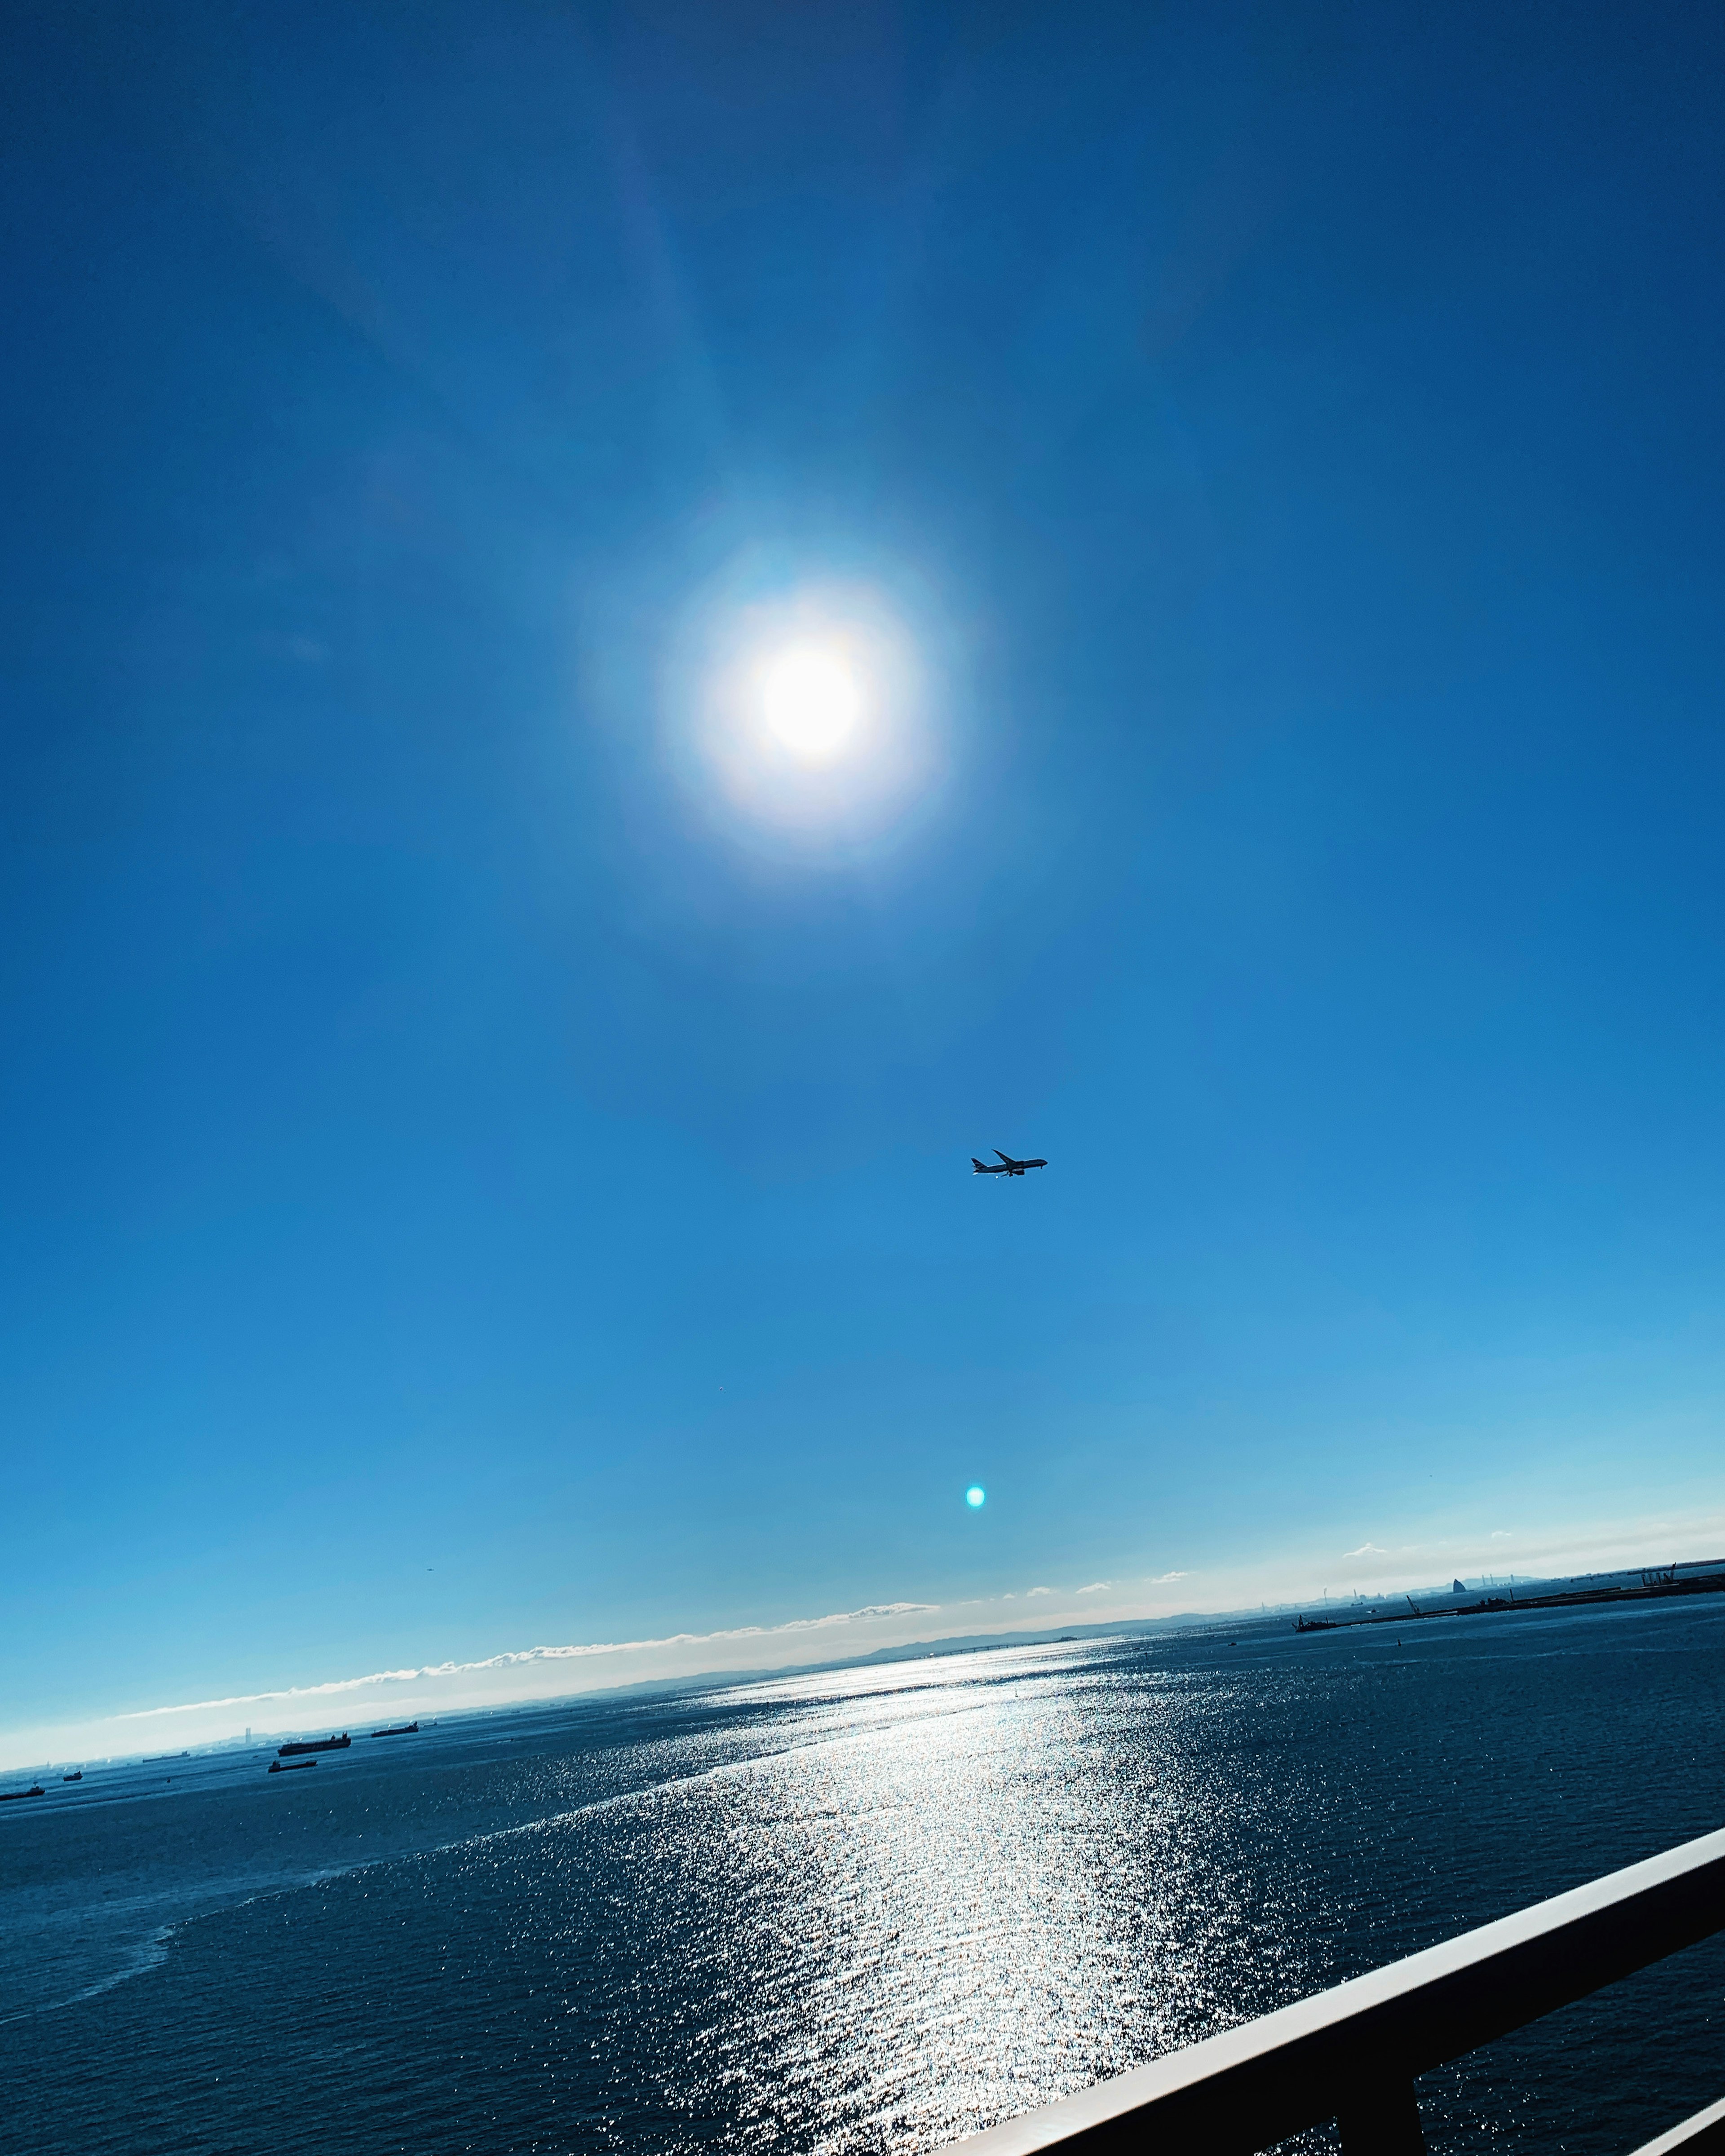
pixel 977 1165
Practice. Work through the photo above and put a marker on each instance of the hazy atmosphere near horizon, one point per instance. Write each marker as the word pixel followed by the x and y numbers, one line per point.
pixel 633 634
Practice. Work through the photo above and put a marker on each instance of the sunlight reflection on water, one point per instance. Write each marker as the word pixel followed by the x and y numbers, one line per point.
pixel 941 1902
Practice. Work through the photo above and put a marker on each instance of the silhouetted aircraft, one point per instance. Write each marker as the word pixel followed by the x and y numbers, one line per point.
pixel 1008 1165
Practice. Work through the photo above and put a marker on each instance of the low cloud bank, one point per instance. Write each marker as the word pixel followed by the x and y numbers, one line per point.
pixel 525 1674
pixel 521 1657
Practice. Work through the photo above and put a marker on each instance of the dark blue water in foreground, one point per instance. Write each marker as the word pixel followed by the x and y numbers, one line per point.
pixel 873 1911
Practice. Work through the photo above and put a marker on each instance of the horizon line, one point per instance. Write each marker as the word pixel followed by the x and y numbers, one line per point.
pixel 1006 1628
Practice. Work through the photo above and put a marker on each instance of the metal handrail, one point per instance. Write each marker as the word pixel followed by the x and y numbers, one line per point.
pixel 1703 2135
pixel 1352 2053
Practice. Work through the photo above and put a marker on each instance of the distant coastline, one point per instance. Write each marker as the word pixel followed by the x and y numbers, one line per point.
pixel 1627 1587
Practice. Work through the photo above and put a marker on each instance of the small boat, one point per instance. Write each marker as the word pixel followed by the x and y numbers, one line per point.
pixel 17 1796
pixel 405 1729
pixel 291 1766
pixel 78 1777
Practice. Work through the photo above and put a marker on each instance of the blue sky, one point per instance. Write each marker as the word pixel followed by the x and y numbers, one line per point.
pixel 479 1176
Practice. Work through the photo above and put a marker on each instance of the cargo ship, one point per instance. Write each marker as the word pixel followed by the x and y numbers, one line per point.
pixel 298 1766
pixel 403 1729
pixel 78 1777
pixel 314 1744
pixel 17 1796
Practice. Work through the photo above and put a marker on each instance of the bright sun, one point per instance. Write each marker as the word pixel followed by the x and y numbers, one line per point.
pixel 811 700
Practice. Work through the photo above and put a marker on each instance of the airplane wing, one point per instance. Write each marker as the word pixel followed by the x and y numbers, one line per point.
pixel 1006 1156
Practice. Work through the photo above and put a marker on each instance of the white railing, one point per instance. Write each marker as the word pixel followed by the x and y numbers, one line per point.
pixel 1353 2054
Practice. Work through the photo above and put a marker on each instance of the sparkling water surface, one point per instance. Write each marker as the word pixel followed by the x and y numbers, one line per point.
pixel 869 1910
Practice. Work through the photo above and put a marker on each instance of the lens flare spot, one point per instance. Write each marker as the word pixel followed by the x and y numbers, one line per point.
pixel 976 1496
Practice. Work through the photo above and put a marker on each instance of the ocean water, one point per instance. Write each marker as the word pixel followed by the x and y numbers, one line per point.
pixel 873 1910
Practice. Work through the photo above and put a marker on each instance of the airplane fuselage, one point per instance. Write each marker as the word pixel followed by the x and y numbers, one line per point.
pixel 1007 1165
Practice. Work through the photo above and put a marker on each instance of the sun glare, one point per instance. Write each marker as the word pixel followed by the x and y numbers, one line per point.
pixel 813 714
pixel 811 700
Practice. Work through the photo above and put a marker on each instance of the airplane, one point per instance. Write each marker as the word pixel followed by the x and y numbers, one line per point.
pixel 1008 1165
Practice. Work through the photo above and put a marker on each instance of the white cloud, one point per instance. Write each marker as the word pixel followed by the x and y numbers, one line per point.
pixel 522 1656
pixel 554 1671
